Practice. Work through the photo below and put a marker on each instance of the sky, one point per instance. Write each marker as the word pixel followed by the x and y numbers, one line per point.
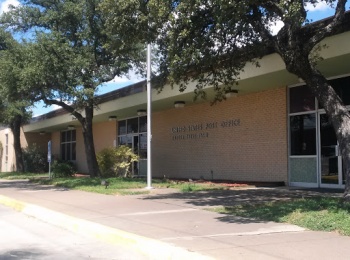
pixel 322 10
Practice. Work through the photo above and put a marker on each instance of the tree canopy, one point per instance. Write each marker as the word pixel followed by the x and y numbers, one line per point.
pixel 15 99
pixel 70 56
pixel 210 41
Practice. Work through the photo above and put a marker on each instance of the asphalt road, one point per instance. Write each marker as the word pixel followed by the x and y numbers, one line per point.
pixel 23 237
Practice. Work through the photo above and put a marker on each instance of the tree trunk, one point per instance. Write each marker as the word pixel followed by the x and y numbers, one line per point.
pixel 16 130
pixel 93 168
pixel 337 113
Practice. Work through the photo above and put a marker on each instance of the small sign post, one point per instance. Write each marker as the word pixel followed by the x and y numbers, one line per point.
pixel 49 157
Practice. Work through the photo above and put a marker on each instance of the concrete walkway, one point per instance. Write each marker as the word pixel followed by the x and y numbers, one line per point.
pixel 170 225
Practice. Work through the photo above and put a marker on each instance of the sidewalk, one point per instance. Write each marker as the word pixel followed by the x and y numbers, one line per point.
pixel 169 225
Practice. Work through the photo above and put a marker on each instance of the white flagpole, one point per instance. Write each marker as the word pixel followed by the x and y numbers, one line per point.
pixel 149 121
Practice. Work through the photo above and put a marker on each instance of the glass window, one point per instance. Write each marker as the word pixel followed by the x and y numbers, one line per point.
pixel 68 145
pixel 303 134
pixel 342 88
pixel 143 124
pixel 301 99
pixel 122 127
pixel 63 137
pixel 68 136
pixel 132 125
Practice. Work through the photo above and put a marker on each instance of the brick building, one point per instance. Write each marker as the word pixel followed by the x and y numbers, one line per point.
pixel 272 131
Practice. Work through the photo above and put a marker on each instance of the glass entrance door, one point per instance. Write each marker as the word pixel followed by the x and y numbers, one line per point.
pixel 138 144
pixel 131 141
pixel 331 174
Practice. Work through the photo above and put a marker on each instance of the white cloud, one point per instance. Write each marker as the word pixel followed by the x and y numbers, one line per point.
pixel 320 6
pixel 4 6
pixel 132 77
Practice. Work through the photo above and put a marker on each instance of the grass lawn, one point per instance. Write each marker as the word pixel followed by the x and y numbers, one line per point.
pixel 319 214
pixel 120 186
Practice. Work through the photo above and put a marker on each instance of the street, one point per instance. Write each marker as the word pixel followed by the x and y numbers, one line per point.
pixel 23 237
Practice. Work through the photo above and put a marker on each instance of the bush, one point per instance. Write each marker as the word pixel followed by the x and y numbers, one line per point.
pixel 106 160
pixel 35 161
pixel 116 161
pixel 63 169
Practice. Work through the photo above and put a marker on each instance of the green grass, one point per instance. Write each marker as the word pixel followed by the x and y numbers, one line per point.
pixel 320 214
pixel 120 186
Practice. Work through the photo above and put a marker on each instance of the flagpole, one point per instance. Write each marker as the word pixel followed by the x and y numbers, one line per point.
pixel 149 121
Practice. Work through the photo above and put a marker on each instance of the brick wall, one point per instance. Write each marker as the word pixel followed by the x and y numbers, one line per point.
pixel 241 139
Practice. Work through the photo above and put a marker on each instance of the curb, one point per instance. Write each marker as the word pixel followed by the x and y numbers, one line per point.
pixel 149 247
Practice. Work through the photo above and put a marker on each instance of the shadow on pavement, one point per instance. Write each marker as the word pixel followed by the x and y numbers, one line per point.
pixel 227 198
pixel 26 185
pixel 30 253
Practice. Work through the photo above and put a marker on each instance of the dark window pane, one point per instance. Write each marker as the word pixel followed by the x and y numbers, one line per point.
pixel 122 127
pixel 73 151
pixel 143 124
pixel 122 140
pixel 63 137
pixel 301 99
pixel 69 136
pixel 63 151
pixel 303 134
pixel 342 88
pixel 132 125
pixel 74 135
pixel 68 152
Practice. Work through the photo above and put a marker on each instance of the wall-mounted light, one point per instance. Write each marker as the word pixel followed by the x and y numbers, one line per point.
pixel 141 112
pixel 71 127
pixel 231 93
pixel 42 133
pixel 179 104
pixel 112 118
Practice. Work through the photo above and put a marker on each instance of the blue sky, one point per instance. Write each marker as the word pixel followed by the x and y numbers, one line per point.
pixel 322 10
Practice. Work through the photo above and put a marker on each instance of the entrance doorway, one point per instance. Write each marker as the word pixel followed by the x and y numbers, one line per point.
pixel 331 170
pixel 138 144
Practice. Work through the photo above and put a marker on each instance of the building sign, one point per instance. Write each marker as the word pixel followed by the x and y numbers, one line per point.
pixel 49 151
pixel 199 131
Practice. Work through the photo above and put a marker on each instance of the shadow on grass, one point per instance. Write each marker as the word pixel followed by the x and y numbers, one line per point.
pixel 279 211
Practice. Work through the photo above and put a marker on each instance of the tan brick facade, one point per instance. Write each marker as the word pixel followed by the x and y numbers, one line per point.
pixel 241 139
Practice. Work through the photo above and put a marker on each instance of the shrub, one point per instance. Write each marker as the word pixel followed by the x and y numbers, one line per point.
pixel 62 169
pixel 106 160
pixel 35 160
pixel 116 161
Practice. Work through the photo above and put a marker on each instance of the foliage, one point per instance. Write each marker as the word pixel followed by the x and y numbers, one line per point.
pixel 35 160
pixel 61 169
pixel 70 56
pixel 116 161
pixel 106 160
pixel 322 214
pixel 14 99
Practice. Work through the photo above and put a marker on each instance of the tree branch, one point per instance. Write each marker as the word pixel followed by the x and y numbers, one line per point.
pixel 323 32
pixel 66 107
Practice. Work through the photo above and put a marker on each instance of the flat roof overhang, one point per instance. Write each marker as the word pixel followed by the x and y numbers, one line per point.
pixel 271 74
